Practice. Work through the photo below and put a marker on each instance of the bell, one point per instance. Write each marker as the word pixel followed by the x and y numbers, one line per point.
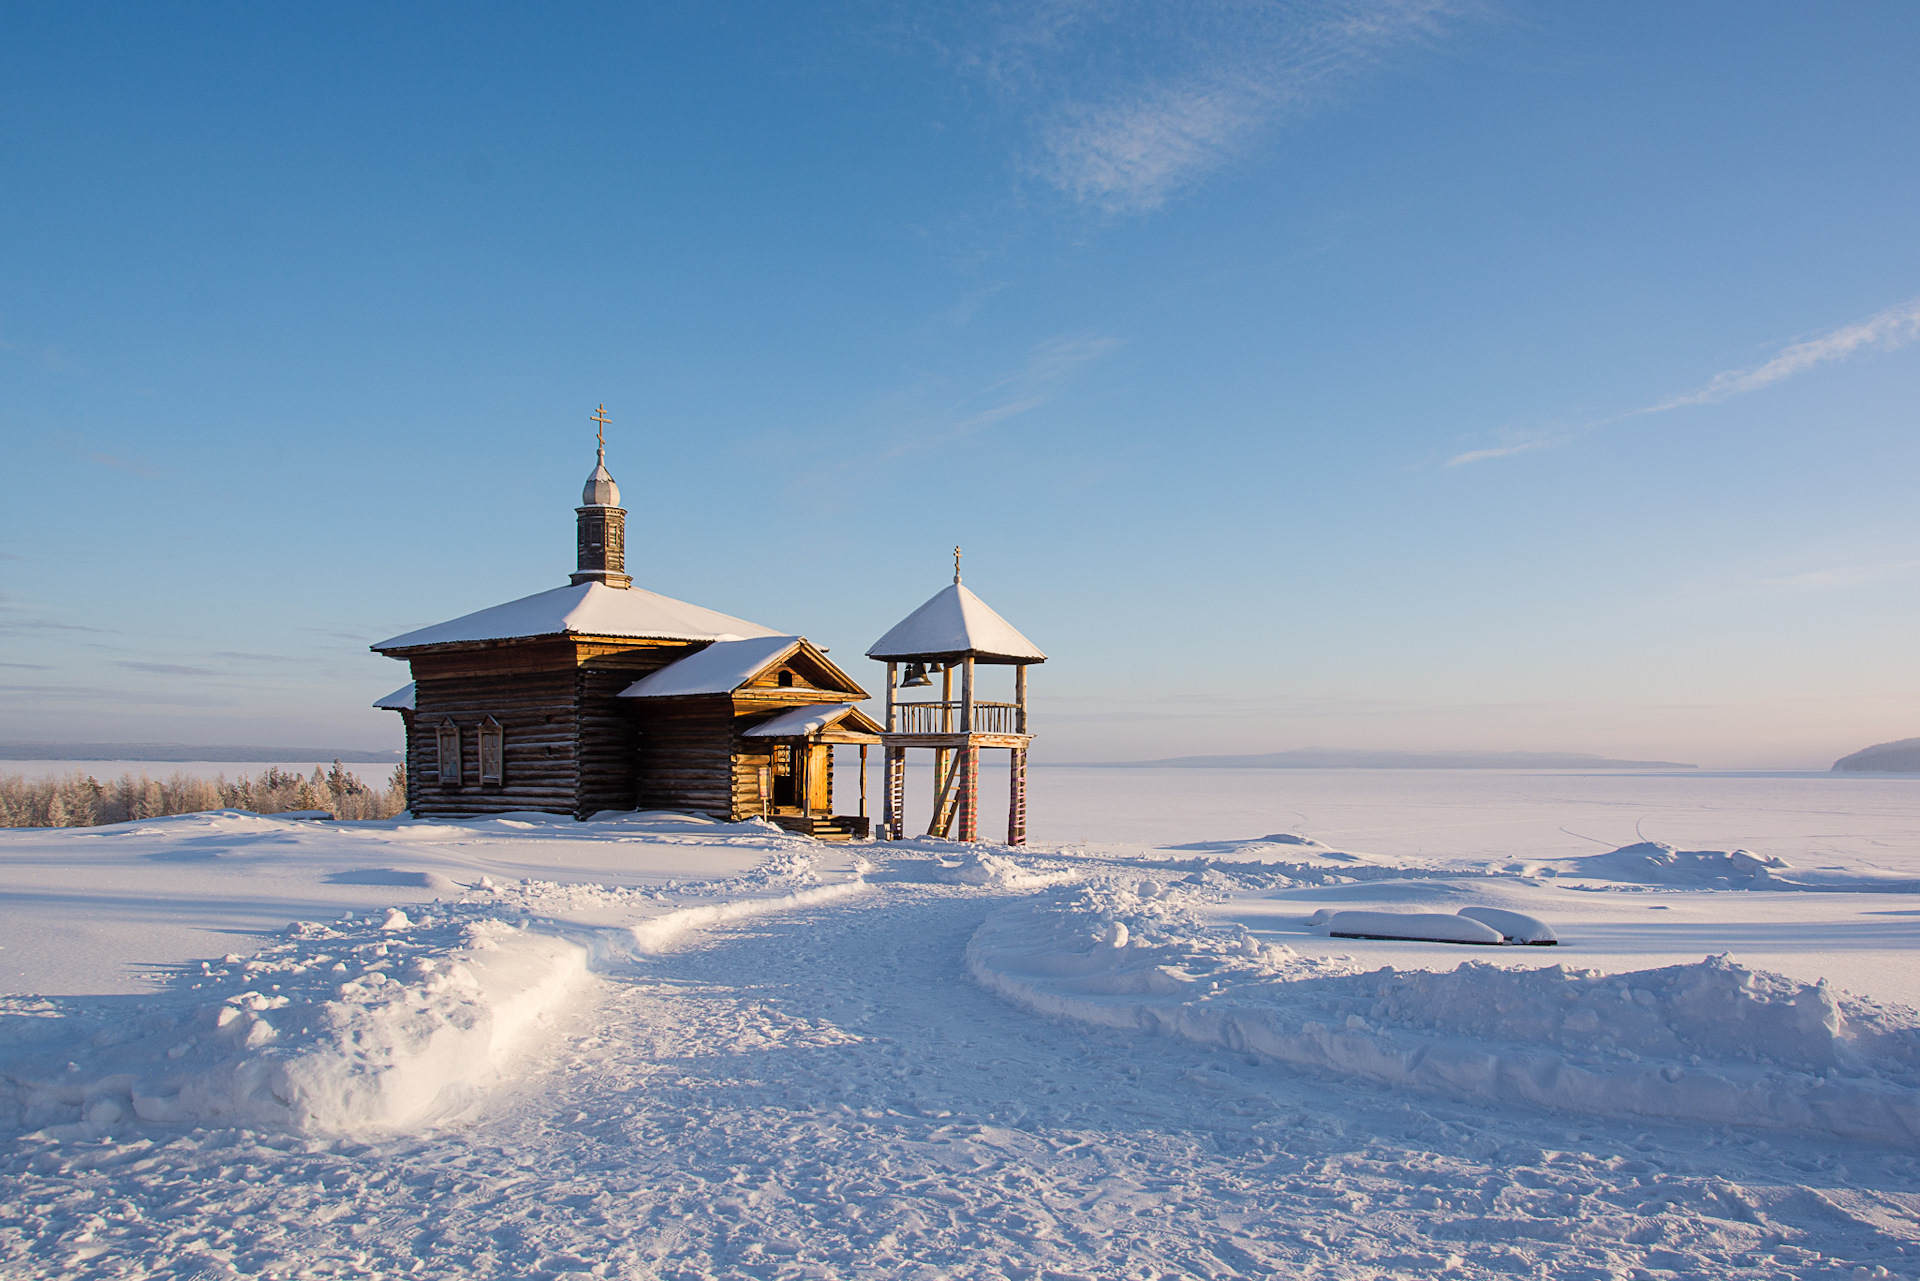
pixel 916 677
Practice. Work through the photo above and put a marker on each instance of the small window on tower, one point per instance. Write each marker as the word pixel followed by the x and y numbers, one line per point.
pixel 447 748
pixel 786 679
pixel 493 752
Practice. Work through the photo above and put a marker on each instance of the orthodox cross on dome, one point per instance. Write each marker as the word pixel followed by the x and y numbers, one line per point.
pixel 956 564
pixel 599 417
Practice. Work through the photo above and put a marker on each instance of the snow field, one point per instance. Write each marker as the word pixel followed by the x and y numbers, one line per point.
pixel 1712 1042
pixel 801 1065
pixel 824 1093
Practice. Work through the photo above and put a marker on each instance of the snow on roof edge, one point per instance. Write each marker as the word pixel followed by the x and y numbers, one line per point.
pixel 720 668
pixel 401 700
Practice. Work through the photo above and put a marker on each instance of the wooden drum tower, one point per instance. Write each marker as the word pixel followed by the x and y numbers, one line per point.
pixel 954 632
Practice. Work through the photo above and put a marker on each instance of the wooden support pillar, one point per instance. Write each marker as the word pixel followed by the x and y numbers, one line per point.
pixel 969 799
pixel 942 771
pixel 893 815
pixel 863 780
pixel 1017 797
pixel 946 795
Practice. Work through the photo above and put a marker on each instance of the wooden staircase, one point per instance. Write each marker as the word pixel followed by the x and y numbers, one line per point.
pixel 825 827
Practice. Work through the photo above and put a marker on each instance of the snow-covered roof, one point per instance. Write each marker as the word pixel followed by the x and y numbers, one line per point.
pixel 799 722
pixel 720 668
pixel 586 609
pixel 401 700
pixel 956 624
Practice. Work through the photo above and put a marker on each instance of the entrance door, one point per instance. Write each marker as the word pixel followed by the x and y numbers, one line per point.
pixel 785 792
pixel 819 778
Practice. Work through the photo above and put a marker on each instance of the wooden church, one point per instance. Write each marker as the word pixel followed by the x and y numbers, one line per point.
pixel 601 695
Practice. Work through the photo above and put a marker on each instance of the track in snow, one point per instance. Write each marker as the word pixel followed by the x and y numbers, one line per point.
pixel 824 1093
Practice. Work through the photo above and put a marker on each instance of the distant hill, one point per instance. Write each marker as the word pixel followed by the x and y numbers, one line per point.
pixel 187 752
pixel 1899 757
pixel 1337 758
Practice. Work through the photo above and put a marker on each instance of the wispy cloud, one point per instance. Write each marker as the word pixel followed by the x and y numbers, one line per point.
pixel 1843 575
pixel 38 695
pixel 164 669
pixel 137 466
pixel 1048 367
pixel 1884 331
pixel 16 618
pixel 1887 330
pixel 1198 84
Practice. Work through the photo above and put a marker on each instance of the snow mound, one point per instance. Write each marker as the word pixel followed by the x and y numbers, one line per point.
pixel 994 871
pixel 1514 927
pixel 1432 927
pixel 1655 863
pixel 381 1023
pixel 1711 1042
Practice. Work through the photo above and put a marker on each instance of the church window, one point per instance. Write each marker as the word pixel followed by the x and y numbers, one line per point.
pixel 493 752
pixel 447 747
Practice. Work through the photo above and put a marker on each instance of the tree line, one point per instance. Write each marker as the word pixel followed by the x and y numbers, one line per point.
pixel 80 800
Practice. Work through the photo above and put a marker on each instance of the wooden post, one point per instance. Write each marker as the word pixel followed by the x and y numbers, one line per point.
pixel 1020 698
pixel 893 672
pixel 969 801
pixel 966 696
pixel 802 778
pixel 1017 797
pixel 863 780
pixel 894 816
pixel 946 699
pixel 946 795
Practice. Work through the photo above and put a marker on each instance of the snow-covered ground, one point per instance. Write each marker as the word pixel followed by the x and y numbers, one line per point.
pixel 655 1047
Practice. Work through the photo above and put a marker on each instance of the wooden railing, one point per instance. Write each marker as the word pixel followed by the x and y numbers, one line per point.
pixel 944 718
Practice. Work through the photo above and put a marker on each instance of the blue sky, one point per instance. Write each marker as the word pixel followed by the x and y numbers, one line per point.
pixel 1360 374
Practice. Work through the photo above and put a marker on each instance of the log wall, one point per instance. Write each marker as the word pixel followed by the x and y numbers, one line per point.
pixel 685 756
pixel 569 739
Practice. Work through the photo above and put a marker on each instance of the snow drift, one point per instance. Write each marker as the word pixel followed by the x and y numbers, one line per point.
pixel 373 1024
pixel 1708 1042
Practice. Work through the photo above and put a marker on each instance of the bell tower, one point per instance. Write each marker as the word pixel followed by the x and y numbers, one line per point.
pixel 602 520
pixel 953 632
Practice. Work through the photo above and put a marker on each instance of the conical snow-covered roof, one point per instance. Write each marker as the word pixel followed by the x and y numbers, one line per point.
pixel 955 624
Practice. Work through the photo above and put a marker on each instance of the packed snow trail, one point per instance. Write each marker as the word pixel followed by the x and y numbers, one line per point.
pixel 825 1093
